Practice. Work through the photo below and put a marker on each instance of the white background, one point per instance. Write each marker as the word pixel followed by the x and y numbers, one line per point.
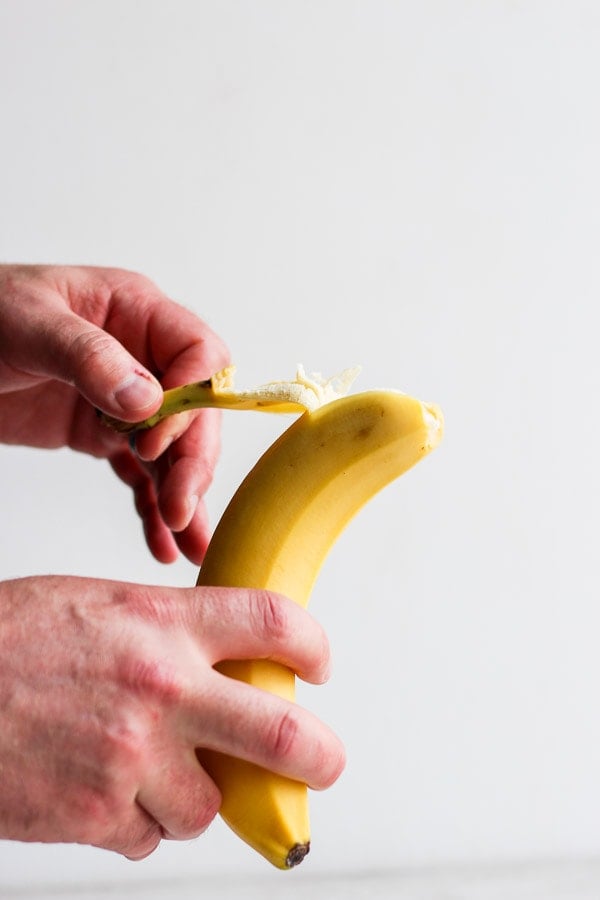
pixel 409 186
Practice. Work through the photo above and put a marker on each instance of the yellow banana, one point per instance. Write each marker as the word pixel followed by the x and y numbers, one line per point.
pixel 275 534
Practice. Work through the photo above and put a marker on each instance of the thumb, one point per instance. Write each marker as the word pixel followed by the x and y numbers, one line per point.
pixel 101 369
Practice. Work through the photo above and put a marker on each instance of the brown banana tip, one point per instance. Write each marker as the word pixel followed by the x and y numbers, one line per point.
pixel 297 854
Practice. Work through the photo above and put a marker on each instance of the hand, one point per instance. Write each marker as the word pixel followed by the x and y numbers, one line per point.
pixel 107 689
pixel 73 339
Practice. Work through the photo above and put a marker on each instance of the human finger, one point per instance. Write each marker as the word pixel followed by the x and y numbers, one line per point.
pixel 200 427
pixel 182 475
pixel 183 346
pixel 64 345
pixel 235 623
pixel 181 796
pixel 136 835
pixel 193 541
pixel 133 473
pixel 159 538
pixel 164 544
pixel 191 464
pixel 241 720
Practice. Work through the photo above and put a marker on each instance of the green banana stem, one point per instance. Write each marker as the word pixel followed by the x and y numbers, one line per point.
pixel 189 396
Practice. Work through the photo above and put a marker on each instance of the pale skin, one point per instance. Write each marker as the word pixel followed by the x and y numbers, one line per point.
pixel 108 688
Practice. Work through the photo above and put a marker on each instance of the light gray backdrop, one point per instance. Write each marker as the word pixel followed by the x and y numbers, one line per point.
pixel 409 186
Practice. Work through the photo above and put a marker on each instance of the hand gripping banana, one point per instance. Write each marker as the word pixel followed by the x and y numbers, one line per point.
pixel 275 534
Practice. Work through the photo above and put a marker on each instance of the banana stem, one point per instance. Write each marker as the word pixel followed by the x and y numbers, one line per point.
pixel 198 395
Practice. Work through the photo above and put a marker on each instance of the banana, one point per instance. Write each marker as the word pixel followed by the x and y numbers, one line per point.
pixel 275 534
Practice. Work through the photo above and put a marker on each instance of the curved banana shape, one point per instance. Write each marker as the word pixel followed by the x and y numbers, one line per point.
pixel 275 534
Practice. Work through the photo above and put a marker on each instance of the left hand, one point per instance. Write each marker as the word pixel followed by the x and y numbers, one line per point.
pixel 73 339
pixel 107 690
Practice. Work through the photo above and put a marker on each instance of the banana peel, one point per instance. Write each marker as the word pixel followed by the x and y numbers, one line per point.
pixel 218 392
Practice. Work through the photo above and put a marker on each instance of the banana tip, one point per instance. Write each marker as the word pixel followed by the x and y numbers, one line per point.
pixel 434 419
pixel 296 854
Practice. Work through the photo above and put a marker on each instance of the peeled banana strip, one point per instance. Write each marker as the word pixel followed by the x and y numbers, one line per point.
pixel 296 396
pixel 275 534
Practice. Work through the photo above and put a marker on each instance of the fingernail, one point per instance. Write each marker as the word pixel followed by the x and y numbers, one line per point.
pixel 167 441
pixel 158 451
pixel 137 392
pixel 193 502
pixel 326 673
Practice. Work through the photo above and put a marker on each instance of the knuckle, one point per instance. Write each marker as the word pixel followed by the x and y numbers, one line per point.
pixel 92 347
pixel 121 747
pixel 95 810
pixel 149 604
pixel 268 616
pixel 144 845
pixel 281 736
pixel 201 815
pixel 157 680
pixel 92 810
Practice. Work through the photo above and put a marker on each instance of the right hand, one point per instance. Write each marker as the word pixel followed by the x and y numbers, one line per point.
pixel 73 338
pixel 107 689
